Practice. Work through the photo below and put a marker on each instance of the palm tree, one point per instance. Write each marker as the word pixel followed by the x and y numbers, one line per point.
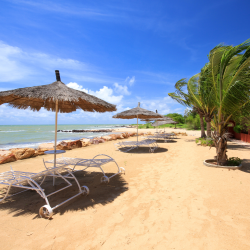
pixel 188 99
pixel 230 72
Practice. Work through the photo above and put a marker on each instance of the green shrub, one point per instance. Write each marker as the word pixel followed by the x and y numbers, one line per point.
pixel 234 161
pixel 237 128
pixel 197 140
pixel 193 122
pixel 210 142
pixel 205 142
pixel 176 117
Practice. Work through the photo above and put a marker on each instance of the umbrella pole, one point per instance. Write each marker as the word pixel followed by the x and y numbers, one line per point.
pixel 137 130
pixel 55 139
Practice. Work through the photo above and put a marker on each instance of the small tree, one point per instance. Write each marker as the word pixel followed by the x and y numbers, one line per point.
pixel 186 99
pixel 231 87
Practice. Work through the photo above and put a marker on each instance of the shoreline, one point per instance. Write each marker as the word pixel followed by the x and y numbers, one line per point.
pixel 17 138
pixel 118 130
pixel 15 154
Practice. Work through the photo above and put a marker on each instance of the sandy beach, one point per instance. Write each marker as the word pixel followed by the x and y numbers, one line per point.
pixel 166 200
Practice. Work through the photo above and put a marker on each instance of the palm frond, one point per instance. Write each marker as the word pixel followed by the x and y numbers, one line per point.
pixel 193 90
pixel 179 99
pixel 215 57
pixel 238 90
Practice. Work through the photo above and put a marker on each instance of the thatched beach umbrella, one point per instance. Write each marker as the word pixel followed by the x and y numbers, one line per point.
pixel 138 113
pixel 165 119
pixel 55 97
pixel 158 123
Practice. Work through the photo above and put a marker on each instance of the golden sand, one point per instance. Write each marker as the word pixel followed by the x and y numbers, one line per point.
pixel 166 200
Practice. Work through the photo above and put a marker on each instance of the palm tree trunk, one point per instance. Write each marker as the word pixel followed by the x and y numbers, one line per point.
pixel 222 152
pixel 203 134
pixel 209 129
pixel 208 120
pixel 221 148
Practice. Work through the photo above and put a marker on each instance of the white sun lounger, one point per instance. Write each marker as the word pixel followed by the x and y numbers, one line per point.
pixel 96 162
pixel 170 135
pixel 165 136
pixel 34 181
pixel 158 137
pixel 129 145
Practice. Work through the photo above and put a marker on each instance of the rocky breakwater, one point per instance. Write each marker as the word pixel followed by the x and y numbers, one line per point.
pixel 15 154
pixel 86 131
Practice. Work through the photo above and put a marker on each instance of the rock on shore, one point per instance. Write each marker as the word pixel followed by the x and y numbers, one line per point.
pixel 23 153
pixel 86 131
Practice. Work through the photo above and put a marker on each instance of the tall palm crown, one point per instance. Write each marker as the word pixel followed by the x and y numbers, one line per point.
pixel 230 73
pixel 192 98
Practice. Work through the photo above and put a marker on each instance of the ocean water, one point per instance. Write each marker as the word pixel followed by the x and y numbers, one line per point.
pixel 21 136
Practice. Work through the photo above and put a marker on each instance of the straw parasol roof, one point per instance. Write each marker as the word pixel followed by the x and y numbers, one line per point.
pixel 46 95
pixel 158 123
pixel 163 118
pixel 137 112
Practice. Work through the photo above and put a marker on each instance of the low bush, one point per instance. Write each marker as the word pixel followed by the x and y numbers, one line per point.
pixel 205 142
pixel 234 161
pixel 237 128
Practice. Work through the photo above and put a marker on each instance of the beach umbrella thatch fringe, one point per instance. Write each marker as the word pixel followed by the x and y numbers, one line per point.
pixel 159 123
pixel 137 112
pixel 69 99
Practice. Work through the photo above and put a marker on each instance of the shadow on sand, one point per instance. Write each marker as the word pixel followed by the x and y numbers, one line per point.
pixel 162 141
pixel 236 146
pixel 245 166
pixel 143 150
pixel 190 140
pixel 29 202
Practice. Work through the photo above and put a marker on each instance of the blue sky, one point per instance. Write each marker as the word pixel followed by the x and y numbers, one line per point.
pixel 123 51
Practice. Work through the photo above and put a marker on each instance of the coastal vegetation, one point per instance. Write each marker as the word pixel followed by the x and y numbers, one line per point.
pixel 219 93
pixel 190 120
pixel 205 142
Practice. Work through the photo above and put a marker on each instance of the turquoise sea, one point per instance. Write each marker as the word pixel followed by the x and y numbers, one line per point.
pixel 21 136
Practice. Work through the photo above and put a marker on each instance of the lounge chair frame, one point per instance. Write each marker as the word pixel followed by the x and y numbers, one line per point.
pixel 95 162
pixel 126 146
pixel 34 181
pixel 164 136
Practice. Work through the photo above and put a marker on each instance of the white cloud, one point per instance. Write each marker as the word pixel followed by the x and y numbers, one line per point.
pixel 130 81
pixel 10 68
pixel 168 99
pixel 104 93
pixel 17 64
pixel 121 89
pixel 107 94
pixel 163 105
pixel 76 86
pixel 10 115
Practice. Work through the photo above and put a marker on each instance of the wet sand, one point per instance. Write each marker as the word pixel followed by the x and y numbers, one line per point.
pixel 166 200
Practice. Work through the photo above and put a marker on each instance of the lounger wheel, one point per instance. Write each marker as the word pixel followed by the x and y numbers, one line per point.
pixel 46 212
pixel 85 190
pixel 122 170
pixel 151 150
pixel 104 179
